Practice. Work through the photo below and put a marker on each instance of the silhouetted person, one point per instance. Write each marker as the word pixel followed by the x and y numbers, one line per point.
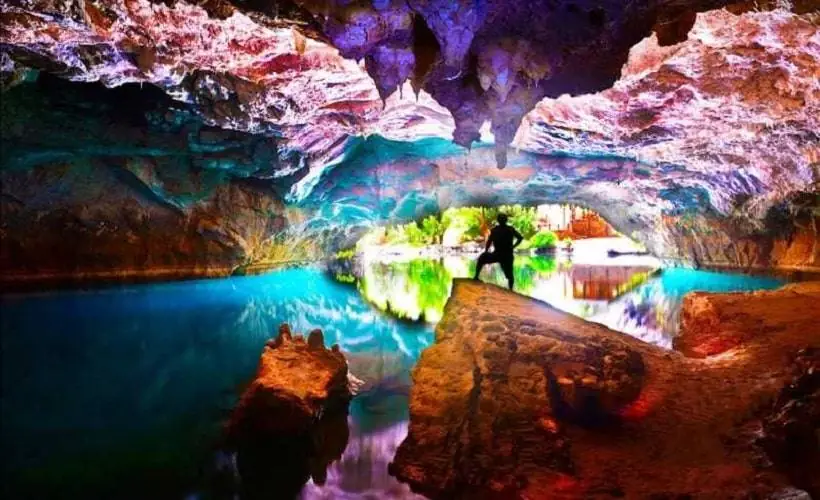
pixel 503 239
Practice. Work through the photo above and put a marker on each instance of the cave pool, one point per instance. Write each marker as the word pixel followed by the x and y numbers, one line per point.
pixel 122 392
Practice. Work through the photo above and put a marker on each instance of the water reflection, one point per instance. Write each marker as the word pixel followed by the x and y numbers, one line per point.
pixel 362 470
pixel 122 393
pixel 637 299
pixel 651 312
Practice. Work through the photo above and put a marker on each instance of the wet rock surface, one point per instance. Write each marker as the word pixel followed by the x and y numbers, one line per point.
pixel 123 184
pixel 518 400
pixel 291 422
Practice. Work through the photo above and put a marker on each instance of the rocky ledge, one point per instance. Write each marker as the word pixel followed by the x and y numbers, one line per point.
pixel 291 422
pixel 715 323
pixel 519 400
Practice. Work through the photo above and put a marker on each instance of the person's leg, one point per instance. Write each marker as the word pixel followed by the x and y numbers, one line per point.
pixel 483 259
pixel 507 267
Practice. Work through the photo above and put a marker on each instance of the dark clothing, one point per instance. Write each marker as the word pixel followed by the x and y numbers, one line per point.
pixel 505 261
pixel 504 239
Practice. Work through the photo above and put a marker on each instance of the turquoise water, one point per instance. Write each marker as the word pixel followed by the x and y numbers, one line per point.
pixel 121 393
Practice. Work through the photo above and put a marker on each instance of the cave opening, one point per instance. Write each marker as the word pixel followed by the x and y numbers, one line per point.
pixel 569 256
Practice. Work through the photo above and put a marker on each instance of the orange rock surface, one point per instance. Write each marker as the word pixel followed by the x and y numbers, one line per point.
pixel 715 323
pixel 519 400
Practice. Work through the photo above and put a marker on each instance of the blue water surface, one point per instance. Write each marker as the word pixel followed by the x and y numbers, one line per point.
pixel 122 392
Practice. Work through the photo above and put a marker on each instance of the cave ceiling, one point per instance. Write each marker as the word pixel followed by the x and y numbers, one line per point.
pixel 726 95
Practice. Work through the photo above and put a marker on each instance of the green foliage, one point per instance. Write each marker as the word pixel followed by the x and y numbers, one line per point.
pixel 523 219
pixel 544 266
pixel 346 254
pixel 345 278
pixel 433 229
pixel 469 223
pixel 417 289
pixel 544 239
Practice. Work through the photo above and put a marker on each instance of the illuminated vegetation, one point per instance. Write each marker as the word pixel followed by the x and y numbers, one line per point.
pixel 457 226
pixel 418 289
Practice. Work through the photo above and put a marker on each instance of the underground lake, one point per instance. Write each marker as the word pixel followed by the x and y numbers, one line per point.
pixel 134 383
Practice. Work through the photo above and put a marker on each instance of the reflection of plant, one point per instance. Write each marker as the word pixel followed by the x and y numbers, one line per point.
pixel 346 254
pixel 344 278
pixel 524 277
pixel 285 247
pixel 544 266
pixel 433 283
pixel 417 289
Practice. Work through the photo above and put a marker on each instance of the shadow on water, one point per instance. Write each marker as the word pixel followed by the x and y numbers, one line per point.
pixel 123 393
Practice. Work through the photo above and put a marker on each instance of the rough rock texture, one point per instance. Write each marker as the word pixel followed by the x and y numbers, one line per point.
pixel 297 381
pixel 491 418
pixel 249 71
pixel 730 116
pixel 791 428
pixel 491 60
pixel 705 150
pixel 380 180
pixel 715 323
pixel 291 422
pixel 133 188
pixel 143 187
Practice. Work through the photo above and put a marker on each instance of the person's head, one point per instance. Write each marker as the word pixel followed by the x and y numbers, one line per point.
pixel 502 219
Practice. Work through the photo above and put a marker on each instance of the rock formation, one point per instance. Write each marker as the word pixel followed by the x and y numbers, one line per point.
pixel 291 422
pixel 491 60
pixel 790 427
pixel 297 381
pixel 715 323
pixel 134 187
pixel 692 129
pixel 518 400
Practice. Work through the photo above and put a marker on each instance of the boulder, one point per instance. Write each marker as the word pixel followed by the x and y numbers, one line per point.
pixel 291 422
pixel 519 400
pixel 296 383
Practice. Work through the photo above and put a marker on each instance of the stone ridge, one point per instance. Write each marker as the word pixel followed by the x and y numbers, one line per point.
pixel 519 400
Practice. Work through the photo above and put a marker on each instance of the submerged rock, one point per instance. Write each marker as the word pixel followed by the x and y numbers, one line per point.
pixel 291 422
pixel 519 400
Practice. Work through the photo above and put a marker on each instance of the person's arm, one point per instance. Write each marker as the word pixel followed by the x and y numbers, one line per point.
pixel 518 238
pixel 489 242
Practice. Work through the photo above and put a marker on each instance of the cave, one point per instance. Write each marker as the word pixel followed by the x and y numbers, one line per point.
pixel 184 185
